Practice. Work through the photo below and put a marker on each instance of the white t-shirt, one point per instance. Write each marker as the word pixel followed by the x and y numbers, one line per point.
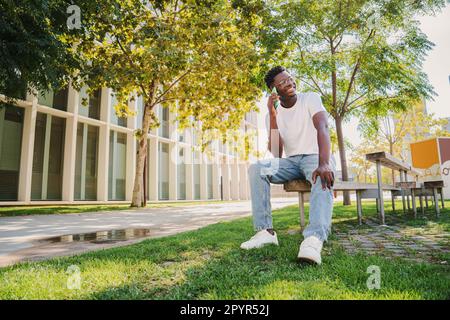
pixel 296 126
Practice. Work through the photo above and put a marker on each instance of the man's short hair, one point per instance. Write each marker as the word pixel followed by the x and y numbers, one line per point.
pixel 271 74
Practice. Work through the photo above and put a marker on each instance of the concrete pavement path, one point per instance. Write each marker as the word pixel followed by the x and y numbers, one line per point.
pixel 19 236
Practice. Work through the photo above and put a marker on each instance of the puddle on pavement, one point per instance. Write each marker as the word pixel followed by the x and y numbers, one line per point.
pixel 108 236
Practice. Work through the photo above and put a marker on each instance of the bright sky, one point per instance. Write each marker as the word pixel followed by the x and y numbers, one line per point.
pixel 436 66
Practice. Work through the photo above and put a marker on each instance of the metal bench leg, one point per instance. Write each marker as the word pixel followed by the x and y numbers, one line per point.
pixel 413 199
pixel 380 192
pixel 302 210
pixel 378 205
pixel 442 198
pixel 359 206
pixel 408 196
pixel 426 201
pixel 421 205
pixel 436 202
pixel 403 193
pixel 393 202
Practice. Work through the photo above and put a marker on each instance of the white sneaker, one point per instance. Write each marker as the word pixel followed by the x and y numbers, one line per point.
pixel 260 239
pixel 310 250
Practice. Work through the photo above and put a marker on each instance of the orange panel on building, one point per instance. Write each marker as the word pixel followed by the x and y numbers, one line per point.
pixel 424 154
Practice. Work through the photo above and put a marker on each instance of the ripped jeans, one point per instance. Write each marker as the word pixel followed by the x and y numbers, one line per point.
pixel 280 170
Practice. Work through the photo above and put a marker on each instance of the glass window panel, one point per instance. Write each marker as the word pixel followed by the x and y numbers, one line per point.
pixel 78 161
pixel 149 151
pixel 112 143
pixel 91 163
pixel 11 127
pixel 117 165
pixel 83 109
pixel 181 175
pixel 92 110
pixel 48 155
pixel 46 99
pixel 181 134
pixel 38 156
pixel 163 164
pixel 56 159
pixel 196 175
pixel 164 120
pixel 86 162
pixel 60 99
pixel 94 104
pixel 210 180
pixel 57 100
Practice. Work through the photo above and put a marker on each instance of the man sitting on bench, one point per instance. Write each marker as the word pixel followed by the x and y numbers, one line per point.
pixel 299 126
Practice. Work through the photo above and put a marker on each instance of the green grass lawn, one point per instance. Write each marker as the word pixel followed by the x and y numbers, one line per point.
pixel 39 210
pixel 208 264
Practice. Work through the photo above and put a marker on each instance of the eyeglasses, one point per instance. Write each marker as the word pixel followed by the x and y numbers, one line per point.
pixel 284 82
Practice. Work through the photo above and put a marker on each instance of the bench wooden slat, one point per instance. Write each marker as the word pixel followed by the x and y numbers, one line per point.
pixel 387 160
pixel 349 185
pixel 305 186
pixel 297 185
pixel 407 185
pixel 434 184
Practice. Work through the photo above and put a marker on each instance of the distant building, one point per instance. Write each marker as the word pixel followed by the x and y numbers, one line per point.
pixel 446 126
pixel 54 149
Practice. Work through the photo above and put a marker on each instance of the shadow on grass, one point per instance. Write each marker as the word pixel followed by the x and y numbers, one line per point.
pixel 67 209
pixel 25 211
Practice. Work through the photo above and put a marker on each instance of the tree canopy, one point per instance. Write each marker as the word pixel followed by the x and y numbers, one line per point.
pixel 364 57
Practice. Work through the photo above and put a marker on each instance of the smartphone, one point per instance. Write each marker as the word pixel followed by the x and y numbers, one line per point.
pixel 277 103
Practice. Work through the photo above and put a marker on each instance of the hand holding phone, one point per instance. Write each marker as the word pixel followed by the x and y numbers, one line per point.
pixel 276 103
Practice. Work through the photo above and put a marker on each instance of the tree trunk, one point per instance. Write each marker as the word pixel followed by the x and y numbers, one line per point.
pixel 138 189
pixel 340 137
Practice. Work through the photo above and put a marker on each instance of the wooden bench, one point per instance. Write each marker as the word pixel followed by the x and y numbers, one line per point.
pixel 404 188
pixel 363 191
pixel 407 188
pixel 387 160
pixel 430 188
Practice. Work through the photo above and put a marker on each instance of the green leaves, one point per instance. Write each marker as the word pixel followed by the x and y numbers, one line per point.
pixel 30 49
pixel 374 48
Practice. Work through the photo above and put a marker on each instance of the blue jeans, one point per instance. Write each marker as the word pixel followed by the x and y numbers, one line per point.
pixel 280 170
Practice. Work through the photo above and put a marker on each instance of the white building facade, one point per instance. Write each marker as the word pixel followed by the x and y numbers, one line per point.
pixel 55 150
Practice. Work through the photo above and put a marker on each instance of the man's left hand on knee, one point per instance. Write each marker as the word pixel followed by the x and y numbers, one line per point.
pixel 326 174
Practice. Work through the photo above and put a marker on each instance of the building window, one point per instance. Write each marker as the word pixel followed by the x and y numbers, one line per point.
pixel 57 100
pixel 92 109
pixel 120 121
pixel 86 162
pixel 117 165
pixel 11 127
pixel 163 116
pixel 163 165
pixel 181 135
pixel 48 155
pixel 195 137
pixel 196 170
pixel 181 175
pixel 209 167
